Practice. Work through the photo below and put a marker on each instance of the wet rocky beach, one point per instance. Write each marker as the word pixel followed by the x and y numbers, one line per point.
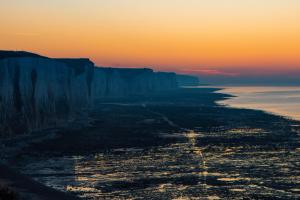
pixel 177 145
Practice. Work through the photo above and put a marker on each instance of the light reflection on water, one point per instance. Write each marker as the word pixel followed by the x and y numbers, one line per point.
pixel 283 101
pixel 183 170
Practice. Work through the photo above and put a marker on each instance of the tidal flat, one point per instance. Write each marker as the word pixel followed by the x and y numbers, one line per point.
pixel 175 145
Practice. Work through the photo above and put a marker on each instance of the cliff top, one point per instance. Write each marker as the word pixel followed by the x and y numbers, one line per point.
pixel 10 54
pixel 75 61
pixel 125 69
pixel 127 73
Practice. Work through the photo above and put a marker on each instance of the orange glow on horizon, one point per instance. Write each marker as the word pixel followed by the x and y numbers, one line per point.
pixel 168 35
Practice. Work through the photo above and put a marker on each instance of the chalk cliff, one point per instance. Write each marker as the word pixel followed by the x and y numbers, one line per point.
pixel 120 82
pixel 33 91
pixel 80 78
pixel 187 80
pixel 164 81
pixel 37 91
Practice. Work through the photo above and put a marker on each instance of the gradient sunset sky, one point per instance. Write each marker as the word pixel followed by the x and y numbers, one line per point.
pixel 210 37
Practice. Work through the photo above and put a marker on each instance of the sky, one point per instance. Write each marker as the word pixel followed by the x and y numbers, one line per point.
pixel 211 38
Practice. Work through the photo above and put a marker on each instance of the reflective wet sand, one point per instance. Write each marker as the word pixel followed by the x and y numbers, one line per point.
pixel 184 170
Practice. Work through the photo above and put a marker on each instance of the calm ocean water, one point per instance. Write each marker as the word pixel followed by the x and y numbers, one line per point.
pixel 283 101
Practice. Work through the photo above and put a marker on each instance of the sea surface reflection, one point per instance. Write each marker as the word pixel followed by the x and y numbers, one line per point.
pixel 283 101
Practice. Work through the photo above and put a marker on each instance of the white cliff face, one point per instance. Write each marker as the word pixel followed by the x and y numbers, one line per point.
pixel 113 82
pixel 38 92
pixel 81 74
pixel 187 80
pixel 164 81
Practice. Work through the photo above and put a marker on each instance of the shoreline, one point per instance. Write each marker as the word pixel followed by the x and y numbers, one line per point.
pixel 261 94
pixel 146 116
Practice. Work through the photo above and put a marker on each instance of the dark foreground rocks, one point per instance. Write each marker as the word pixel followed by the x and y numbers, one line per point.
pixel 16 186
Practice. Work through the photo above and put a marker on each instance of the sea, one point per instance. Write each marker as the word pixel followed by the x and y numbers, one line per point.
pixel 284 101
